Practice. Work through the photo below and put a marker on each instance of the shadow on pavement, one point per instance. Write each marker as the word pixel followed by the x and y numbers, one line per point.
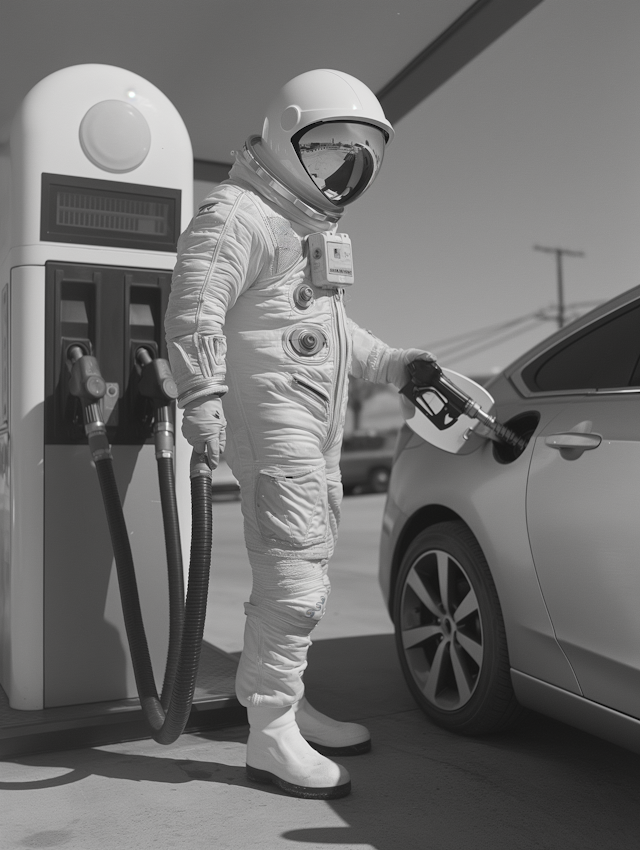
pixel 135 767
pixel 541 786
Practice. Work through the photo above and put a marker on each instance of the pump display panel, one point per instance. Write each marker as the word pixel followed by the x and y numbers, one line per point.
pixel 104 212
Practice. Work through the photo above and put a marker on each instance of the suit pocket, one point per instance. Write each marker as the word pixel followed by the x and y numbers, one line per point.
pixel 291 505
pixel 312 392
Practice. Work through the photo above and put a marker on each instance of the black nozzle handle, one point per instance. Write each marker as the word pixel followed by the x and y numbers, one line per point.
pixel 425 375
pixel 86 381
pixel 156 380
pixel 156 383
pixel 87 384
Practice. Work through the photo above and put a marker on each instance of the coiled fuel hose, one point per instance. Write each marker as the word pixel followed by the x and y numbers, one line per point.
pixel 166 716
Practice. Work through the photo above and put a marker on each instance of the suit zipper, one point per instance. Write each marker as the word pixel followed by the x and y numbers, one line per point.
pixel 337 311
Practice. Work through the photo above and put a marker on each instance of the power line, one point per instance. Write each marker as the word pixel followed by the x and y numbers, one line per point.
pixel 470 336
pixel 572 311
pixel 464 345
pixel 483 345
pixel 559 254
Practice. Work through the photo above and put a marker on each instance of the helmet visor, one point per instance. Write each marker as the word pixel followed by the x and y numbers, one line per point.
pixel 341 158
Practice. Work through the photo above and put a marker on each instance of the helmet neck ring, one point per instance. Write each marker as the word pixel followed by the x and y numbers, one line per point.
pixel 251 158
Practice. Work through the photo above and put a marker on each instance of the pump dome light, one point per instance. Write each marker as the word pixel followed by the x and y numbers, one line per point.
pixel 115 136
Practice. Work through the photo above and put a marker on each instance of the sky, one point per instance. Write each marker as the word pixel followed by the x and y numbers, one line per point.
pixel 536 142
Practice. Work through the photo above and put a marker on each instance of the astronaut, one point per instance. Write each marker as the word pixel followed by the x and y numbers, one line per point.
pixel 256 315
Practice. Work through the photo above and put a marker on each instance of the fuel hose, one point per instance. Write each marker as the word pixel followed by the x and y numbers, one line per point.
pixel 173 546
pixel 167 722
pixel 167 716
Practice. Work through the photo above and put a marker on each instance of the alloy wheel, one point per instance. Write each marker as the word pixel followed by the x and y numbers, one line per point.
pixel 441 630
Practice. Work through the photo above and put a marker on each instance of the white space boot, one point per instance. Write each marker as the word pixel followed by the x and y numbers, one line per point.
pixel 328 736
pixel 277 753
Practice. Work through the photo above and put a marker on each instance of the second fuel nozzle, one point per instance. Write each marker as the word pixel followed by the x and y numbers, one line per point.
pixel 156 383
pixel 156 380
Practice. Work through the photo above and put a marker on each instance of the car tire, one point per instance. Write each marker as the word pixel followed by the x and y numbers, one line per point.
pixel 379 479
pixel 450 633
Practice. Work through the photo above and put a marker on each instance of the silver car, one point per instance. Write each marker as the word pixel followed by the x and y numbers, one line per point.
pixel 513 576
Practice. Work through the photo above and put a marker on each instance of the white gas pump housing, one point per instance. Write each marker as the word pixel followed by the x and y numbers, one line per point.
pixel 96 183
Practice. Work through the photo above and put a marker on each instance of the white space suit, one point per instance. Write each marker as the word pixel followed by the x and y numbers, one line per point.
pixel 247 321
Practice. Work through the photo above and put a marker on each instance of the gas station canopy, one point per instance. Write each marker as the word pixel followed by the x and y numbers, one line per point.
pixel 220 61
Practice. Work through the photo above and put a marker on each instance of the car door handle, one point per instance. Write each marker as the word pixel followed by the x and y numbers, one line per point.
pixel 572 444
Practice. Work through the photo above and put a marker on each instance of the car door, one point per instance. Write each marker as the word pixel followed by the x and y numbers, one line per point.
pixel 583 504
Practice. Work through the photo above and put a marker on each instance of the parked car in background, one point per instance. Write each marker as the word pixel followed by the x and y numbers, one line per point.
pixel 365 464
pixel 513 576
pixel 366 459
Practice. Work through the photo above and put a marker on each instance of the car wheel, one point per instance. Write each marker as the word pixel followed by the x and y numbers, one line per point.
pixel 379 479
pixel 450 633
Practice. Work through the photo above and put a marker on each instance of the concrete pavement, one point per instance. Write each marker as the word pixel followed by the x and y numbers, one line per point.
pixel 542 785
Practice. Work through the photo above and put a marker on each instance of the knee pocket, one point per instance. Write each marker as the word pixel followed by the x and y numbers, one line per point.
pixel 292 506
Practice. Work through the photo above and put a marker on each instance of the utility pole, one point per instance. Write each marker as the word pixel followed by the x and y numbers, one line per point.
pixel 559 252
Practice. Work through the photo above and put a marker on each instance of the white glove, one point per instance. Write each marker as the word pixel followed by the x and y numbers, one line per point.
pixel 203 425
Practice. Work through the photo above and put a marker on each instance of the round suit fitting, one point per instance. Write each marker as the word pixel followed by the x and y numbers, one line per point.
pixel 303 296
pixel 307 341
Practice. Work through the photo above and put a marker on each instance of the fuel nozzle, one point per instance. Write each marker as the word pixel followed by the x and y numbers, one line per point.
pixel 87 384
pixel 443 403
pixel 156 380
pixel 156 383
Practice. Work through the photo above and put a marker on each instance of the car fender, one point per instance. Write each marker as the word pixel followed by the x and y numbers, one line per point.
pixel 489 497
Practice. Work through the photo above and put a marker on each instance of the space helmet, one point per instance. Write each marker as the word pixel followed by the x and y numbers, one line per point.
pixel 323 140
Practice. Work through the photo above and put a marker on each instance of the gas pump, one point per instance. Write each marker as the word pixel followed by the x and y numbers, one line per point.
pixel 95 187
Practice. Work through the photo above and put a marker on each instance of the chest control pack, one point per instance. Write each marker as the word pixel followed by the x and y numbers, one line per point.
pixel 331 259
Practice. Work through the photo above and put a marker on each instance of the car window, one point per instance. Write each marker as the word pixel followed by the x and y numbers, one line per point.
pixel 603 356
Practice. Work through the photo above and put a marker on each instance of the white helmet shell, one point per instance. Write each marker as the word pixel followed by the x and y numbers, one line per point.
pixel 311 99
